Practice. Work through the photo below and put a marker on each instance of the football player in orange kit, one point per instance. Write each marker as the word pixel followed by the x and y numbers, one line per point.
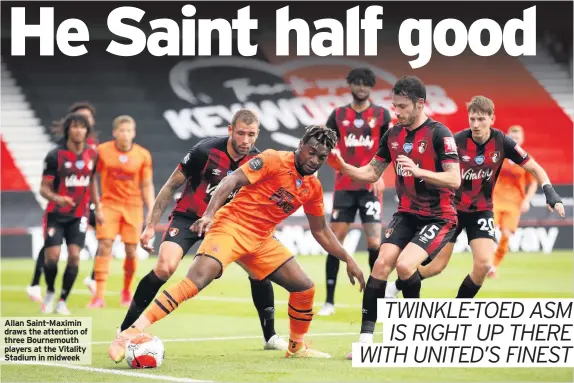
pixel 512 195
pixel 274 185
pixel 126 174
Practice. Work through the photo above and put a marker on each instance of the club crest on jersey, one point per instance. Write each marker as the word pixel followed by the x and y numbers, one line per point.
pixel 494 156
pixel 90 165
pixel 479 160
pixel 123 158
pixel 372 122
pixel 408 146
pixel 80 164
pixel 299 183
pixel 388 232
pixel 51 232
pixel 422 146
pixel 173 231
pixel 359 123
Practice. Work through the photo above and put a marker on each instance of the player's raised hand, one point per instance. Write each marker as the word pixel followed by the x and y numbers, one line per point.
pixel 559 207
pixel 335 160
pixel 146 239
pixel 202 225
pixel 65 201
pixel 408 165
pixel 354 271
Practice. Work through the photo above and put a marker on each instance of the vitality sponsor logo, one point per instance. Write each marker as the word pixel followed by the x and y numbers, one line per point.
pixel 472 174
pixel 75 181
pixel 352 141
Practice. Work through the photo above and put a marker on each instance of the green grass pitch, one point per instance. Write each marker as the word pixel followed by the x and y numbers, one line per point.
pixel 217 337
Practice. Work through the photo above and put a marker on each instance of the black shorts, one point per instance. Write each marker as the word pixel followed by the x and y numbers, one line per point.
pixel 478 224
pixel 430 233
pixel 178 231
pixel 347 202
pixel 59 227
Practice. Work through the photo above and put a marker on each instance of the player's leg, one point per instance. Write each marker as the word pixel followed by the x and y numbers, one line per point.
pixel 54 236
pixel 131 227
pixel 398 234
pixel 219 249
pixel 91 246
pixel 482 243
pixel 264 301
pixel 34 291
pixel 507 221
pixel 370 209
pixel 75 235
pixel 344 212
pixel 273 261
pixel 106 235
pixel 431 237
pixel 176 242
pixel 429 267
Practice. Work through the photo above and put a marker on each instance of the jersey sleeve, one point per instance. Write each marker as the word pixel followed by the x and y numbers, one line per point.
pixel 147 166
pixel 315 206
pixel 261 166
pixel 51 165
pixel 445 145
pixel 96 164
pixel 332 122
pixel 513 151
pixel 386 121
pixel 194 161
pixel 384 154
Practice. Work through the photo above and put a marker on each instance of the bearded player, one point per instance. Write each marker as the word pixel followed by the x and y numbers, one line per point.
pixel 482 150
pixel 359 127
pixel 201 170
pixel 274 185
pixel 423 152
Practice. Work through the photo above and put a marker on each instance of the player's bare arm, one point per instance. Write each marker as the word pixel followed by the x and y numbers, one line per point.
pixel 530 192
pixel 449 177
pixel 235 180
pixel 148 192
pixel 95 199
pixel 47 191
pixel 552 198
pixel 367 174
pixel 325 237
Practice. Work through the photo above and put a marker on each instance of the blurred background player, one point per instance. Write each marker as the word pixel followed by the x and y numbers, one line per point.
pixel 359 127
pixel 274 185
pixel 126 177
pixel 68 183
pixel 424 154
pixel 512 195
pixel 201 170
pixel 89 112
pixel 482 150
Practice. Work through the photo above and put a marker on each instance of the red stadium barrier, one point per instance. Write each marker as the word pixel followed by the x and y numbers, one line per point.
pixel 12 179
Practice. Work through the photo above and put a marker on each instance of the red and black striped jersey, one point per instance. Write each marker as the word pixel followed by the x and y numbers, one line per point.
pixel 429 146
pixel 480 166
pixel 359 134
pixel 72 174
pixel 204 166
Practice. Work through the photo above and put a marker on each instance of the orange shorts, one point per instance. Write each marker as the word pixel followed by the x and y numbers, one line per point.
pixel 229 242
pixel 126 221
pixel 507 219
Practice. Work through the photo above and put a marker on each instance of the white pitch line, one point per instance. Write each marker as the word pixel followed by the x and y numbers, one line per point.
pixel 82 291
pixel 109 371
pixel 223 338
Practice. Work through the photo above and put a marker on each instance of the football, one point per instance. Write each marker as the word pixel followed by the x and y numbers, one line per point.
pixel 146 351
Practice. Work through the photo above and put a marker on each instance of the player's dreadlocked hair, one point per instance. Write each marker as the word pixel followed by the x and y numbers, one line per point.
pixel 75 118
pixel 364 75
pixel 322 134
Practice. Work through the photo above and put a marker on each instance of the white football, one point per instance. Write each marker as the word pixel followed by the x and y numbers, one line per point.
pixel 145 351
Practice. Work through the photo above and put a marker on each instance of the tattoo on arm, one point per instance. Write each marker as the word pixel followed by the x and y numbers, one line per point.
pixel 448 166
pixel 164 197
pixel 378 166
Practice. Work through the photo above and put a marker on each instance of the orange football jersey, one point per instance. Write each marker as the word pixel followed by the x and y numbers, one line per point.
pixel 510 188
pixel 122 173
pixel 276 191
